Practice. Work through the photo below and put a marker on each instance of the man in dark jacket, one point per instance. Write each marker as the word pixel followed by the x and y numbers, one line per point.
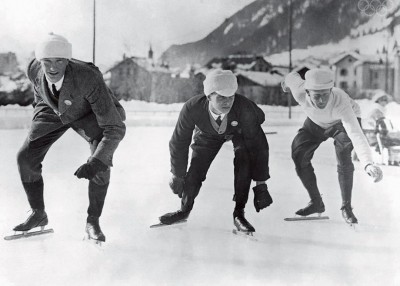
pixel 219 116
pixel 69 94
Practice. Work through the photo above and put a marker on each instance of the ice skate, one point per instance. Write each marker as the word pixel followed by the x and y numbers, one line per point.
pixel 241 223
pixel 38 218
pixel 348 215
pixel 173 218
pixel 308 212
pixel 93 230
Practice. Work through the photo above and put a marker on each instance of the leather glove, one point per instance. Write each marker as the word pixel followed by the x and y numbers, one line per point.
pixel 90 169
pixel 262 198
pixel 374 171
pixel 177 185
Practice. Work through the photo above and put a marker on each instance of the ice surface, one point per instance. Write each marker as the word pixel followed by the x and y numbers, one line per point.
pixel 204 251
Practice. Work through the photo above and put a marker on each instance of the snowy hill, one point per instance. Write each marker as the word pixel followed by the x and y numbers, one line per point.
pixel 262 28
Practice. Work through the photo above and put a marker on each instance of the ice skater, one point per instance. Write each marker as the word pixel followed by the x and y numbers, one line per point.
pixel 217 116
pixel 69 94
pixel 331 113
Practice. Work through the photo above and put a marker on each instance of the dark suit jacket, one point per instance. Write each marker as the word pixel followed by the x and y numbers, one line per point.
pixel 244 125
pixel 85 103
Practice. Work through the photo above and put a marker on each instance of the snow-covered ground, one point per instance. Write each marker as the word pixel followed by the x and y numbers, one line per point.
pixel 204 251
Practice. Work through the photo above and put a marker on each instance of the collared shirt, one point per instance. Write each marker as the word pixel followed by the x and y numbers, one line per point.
pixel 58 84
pixel 215 116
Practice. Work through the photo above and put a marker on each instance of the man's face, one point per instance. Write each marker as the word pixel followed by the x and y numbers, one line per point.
pixel 319 98
pixel 54 68
pixel 220 104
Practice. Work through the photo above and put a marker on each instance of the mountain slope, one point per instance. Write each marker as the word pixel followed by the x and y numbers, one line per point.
pixel 262 28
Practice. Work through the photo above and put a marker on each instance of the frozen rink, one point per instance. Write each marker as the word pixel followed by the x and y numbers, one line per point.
pixel 204 251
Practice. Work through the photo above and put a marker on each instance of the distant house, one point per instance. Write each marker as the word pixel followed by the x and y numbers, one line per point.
pixel 141 79
pixel 8 63
pixel 240 62
pixel 355 72
pixel 261 87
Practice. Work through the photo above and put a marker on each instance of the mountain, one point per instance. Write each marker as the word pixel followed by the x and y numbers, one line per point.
pixel 262 28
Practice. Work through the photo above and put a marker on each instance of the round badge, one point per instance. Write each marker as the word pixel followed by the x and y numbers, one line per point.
pixel 67 102
pixel 234 123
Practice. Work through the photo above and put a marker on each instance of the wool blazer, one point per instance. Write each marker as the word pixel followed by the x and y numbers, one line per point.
pixel 85 104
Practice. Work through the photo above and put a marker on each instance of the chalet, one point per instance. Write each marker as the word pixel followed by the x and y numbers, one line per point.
pixel 141 78
pixel 240 62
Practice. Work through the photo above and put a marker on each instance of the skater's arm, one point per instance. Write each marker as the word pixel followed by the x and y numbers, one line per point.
pixel 180 142
pixel 295 83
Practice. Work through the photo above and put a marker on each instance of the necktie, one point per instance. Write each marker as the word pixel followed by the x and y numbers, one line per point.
pixel 218 120
pixel 55 91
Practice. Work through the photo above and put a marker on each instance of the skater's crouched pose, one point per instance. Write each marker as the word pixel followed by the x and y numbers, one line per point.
pixel 331 113
pixel 216 117
pixel 69 94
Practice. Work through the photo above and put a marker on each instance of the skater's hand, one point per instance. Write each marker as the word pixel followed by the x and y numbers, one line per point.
pixel 262 198
pixel 374 171
pixel 284 87
pixel 177 185
pixel 90 169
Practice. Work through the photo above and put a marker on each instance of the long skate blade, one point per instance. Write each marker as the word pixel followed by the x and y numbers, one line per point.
pixel 28 234
pixel 160 224
pixel 246 234
pixel 300 218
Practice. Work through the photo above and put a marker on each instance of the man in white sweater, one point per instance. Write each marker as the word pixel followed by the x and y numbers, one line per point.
pixel 331 113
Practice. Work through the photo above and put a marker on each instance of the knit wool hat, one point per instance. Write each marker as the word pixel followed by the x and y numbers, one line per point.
pixel 318 79
pixel 54 46
pixel 380 94
pixel 223 82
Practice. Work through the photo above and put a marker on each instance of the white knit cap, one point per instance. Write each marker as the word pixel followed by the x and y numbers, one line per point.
pixel 54 46
pixel 223 82
pixel 318 79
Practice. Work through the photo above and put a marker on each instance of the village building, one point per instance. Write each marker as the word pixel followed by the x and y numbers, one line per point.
pixel 8 63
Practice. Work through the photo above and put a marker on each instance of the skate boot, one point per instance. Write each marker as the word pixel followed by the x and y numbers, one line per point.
pixel 175 217
pixel 37 218
pixel 93 229
pixel 312 208
pixel 347 213
pixel 241 222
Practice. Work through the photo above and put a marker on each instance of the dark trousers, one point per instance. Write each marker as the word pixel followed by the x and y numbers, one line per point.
pixel 30 158
pixel 307 140
pixel 204 151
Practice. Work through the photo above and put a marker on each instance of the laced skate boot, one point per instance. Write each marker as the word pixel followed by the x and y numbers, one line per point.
pixel 347 213
pixel 171 218
pixel 37 218
pixel 312 208
pixel 93 229
pixel 241 222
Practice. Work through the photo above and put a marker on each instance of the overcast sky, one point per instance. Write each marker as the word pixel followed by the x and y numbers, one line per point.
pixel 123 26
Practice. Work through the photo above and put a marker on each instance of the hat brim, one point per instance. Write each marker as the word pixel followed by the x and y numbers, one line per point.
pixel 318 86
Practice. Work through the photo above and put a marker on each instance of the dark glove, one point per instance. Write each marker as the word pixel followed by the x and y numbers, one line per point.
pixel 262 198
pixel 177 185
pixel 90 169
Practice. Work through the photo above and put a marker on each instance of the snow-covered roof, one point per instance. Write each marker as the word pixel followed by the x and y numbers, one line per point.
pixel 144 63
pixel 262 78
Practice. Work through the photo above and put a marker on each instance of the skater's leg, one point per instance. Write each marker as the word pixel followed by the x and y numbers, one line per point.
pixel 29 159
pixel 98 187
pixel 345 169
pixel 204 152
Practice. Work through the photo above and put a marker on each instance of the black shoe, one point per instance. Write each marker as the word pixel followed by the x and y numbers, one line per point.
pixel 93 229
pixel 347 213
pixel 37 218
pixel 312 208
pixel 241 222
pixel 171 218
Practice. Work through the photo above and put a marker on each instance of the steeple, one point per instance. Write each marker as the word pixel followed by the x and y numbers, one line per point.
pixel 150 54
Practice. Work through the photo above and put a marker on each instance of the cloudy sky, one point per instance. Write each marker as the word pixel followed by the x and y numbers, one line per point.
pixel 123 26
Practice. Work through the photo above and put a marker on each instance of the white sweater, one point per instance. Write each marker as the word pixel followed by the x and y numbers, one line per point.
pixel 340 107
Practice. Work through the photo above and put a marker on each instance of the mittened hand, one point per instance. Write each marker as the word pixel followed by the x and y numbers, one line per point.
pixel 374 171
pixel 262 198
pixel 177 185
pixel 90 169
